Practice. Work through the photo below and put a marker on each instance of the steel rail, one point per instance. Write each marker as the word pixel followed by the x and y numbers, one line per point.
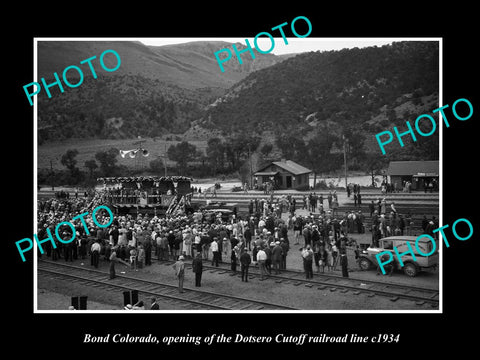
pixel 142 285
pixel 430 296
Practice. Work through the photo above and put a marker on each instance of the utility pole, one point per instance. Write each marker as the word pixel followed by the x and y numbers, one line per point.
pixel 51 173
pixel 250 160
pixel 165 158
pixel 345 160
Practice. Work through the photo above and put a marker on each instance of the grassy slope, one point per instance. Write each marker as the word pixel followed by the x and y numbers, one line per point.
pixel 88 147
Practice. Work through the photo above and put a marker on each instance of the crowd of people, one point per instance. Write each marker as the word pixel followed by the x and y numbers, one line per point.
pixel 429 185
pixel 314 203
pixel 261 238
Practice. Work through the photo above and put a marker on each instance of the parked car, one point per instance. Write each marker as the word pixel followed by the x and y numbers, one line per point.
pixel 410 266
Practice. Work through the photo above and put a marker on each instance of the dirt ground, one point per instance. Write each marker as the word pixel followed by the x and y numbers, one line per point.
pixel 54 294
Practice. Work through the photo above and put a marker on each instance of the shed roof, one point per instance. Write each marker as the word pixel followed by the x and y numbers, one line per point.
pixel 290 166
pixel 266 173
pixel 412 167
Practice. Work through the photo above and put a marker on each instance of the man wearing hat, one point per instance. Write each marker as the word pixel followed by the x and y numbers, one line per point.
pixel 179 268
pixel 95 250
pixel 171 243
pixel 268 261
pixel 344 262
pixel 307 255
pixel 277 253
pixel 285 247
pixel 245 261
pixel 261 258
pixel 234 258
pixel 306 232
pixel 197 267
pixel 215 252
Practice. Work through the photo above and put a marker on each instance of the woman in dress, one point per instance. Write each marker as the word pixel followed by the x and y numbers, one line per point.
pixel 187 244
pixel 322 258
pixel 334 255
pixel 329 257
pixel 113 259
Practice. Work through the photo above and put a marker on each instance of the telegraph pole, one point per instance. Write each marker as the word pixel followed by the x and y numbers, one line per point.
pixel 165 158
pixel 250 160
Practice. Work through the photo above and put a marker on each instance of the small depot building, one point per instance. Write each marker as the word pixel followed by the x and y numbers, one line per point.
pixel 285 174
pixel 421 174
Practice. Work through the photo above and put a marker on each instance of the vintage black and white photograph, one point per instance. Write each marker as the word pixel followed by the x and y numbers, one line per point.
pixel 276 174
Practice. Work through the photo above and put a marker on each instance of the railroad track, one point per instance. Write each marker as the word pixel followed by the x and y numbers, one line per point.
pixel 192 299
pixel 393 291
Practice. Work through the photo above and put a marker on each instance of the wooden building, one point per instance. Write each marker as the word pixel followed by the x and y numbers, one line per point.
pixel 284 174
pixel 421 174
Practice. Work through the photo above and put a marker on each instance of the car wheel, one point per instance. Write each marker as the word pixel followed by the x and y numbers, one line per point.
pixel 365 264
pixel 410 269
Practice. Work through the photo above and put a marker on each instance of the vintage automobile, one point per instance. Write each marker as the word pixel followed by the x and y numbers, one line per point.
pixel 213 209
pixel 411 267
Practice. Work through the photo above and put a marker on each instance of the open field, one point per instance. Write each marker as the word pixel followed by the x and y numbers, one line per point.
pixel 53 151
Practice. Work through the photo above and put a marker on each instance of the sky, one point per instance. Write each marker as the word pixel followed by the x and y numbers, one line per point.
pixel 295 45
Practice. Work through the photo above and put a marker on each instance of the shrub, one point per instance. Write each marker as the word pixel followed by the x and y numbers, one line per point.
pixel 321 185
pixel 304 187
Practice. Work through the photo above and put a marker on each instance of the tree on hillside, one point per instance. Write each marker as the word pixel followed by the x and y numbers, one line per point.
pixel 108 161
pixel 157 165
pixel 266 149
pixel 216 155
pixel 292 146
pixel 355 141
pixel 317 154
pixel 374 164
pixel 238 147
pixel 182 153
pixel 91 165
pixel 68 160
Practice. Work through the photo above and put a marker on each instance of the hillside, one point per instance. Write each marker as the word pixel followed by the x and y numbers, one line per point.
pixel 156 90
pixel 347 86
pixel 318 98
pixel 194 67
pixel 189 66
pixel 300 107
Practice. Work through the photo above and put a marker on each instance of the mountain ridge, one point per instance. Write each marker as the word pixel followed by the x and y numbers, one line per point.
pixel 190 65
pixel 357 92
pixel 156 89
